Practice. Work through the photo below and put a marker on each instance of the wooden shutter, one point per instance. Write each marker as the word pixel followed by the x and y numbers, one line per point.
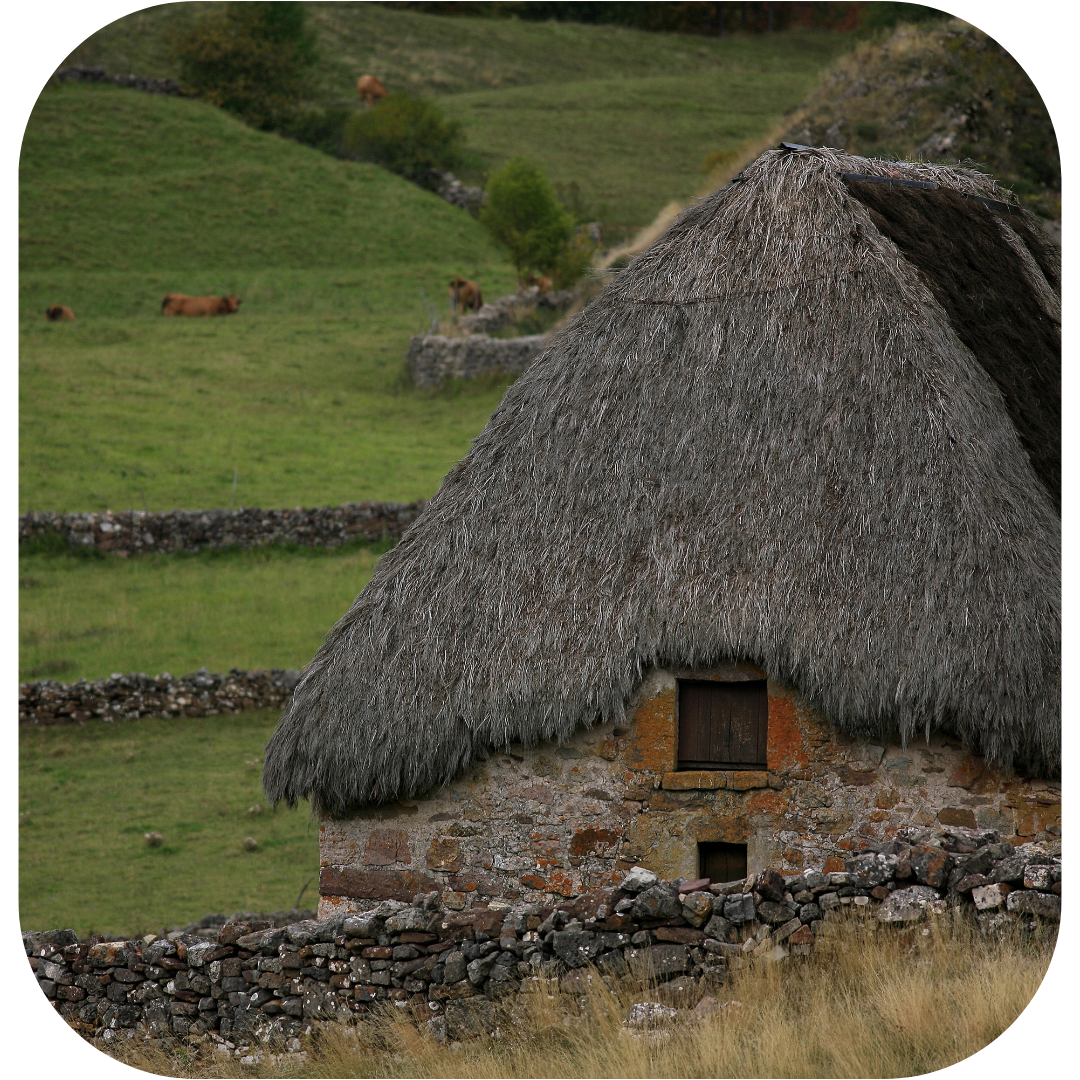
pixel 723 725
pixel 722 862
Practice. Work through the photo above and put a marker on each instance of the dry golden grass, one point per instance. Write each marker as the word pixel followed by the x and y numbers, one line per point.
pixel 868 1003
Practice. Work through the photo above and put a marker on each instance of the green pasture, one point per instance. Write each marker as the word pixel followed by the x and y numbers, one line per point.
pixel 302 393
pixel 85 617
pixel 627 115
pixel 88 794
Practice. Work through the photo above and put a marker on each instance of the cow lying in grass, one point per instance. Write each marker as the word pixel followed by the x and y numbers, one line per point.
pixel 59 313
pixel 465 294
pixel 179 304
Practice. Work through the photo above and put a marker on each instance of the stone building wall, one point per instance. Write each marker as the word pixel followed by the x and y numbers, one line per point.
pixel 433 358
pixel 563 820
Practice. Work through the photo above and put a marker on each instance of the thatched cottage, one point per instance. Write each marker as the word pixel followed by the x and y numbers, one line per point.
pixel 758 562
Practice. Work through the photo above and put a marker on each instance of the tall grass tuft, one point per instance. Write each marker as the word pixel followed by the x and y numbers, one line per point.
pixel 869 1002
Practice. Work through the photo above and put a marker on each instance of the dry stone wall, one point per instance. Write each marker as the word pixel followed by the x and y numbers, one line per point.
pixel 129 532
pixel 79 73
pixel 450 963
pixel 127 697
pixel 433 358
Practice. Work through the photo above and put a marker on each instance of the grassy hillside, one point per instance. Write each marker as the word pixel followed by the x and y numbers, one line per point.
pixel 87 617
pixel 87 794
pixel 114 179
pixel 127 196
pixel 627 115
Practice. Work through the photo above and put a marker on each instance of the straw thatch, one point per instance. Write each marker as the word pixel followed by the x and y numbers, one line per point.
pixel 767 440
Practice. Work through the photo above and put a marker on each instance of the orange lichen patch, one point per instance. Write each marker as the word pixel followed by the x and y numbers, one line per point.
pixel 766 802
pixel 1035 819
pixel 878 815
pixel 967 772
pixel 593 841
pixel 651 745
pixel 746 781
pixel 444 853
pixel 785 749
pixel 708 779
pixel 563 884
pixel 834 864
pixel 886 800
pixel 531 881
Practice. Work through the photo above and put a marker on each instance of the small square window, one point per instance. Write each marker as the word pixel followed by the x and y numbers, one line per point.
pixel 723 725
pixel 722 862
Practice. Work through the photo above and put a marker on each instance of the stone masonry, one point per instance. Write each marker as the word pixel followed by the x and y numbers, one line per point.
pixel 535 825
pixel 129 532
pixel 433 358
pixel 127 697
pixel 450 957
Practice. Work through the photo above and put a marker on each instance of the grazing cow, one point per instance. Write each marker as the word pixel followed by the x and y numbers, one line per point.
pixel 370 88
pixel 59 313
pixel 179 304
pixel 544 284
pixel 465 294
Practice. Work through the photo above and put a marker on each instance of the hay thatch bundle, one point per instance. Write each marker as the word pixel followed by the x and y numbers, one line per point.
pixel 768 440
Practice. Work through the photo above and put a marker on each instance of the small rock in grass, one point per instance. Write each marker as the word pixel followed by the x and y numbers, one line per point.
pixel 249 843
pixel 153 839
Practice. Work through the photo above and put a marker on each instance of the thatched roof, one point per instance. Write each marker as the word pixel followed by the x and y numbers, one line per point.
pixel 813 427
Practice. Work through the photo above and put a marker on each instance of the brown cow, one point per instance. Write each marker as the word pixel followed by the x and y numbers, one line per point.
pixel 544 284
pixel 370 88
pixel 59 313
pixel 179 304
pixel 465 294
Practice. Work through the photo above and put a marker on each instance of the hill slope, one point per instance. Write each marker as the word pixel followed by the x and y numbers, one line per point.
pixel 128 196
pixel 943 91
pixel 116 179
pixel 627 115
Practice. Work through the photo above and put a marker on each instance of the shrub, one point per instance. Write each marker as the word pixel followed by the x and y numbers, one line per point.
pixel 324 129
pixel 405 134
pixel 253 59
pixel 524 215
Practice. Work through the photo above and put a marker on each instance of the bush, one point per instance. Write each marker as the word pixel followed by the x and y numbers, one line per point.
pixel 405 134
pixel 324 129
pixel 253 59
pixel 524 215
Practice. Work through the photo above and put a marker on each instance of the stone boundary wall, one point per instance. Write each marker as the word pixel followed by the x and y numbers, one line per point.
pixel 130 532
pixel 433 358
pixel 79 73
pixel 254 979
pixel 496 314
pixel 127 697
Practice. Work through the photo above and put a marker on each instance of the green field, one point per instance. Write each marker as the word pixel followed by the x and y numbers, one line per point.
pixel 87 795
pixel 628 116
pixel 301 391
pixel 86 617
